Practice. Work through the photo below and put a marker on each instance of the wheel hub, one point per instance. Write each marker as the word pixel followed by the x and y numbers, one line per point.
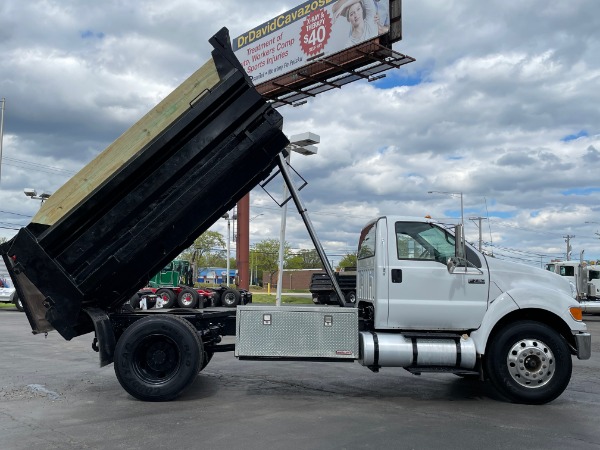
pixel 158 358
pixel 530 363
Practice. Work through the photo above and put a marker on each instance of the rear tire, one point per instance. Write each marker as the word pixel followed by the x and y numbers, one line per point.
pixel 157 357
pixel 350 297
pixel 188 298
pixel 230 298
pixel 529 362
pixel 168 297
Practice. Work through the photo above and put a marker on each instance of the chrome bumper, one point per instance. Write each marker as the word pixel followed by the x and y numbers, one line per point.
pixel 584 345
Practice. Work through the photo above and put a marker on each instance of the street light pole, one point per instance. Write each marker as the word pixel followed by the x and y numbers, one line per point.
pixel 304 144
pixel 3 101
pixel 228 219
pixel 253 256
pixel 282 241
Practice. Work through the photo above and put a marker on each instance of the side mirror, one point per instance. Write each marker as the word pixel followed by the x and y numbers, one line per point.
pixel 451 264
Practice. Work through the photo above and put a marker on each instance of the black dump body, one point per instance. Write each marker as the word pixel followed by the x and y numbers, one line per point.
pixel 322 287
pixel 150 209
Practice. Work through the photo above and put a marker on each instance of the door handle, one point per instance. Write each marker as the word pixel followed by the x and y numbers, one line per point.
pixel 396 275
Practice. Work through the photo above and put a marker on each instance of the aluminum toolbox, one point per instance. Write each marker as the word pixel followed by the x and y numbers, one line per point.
pixel 296 332
pixel 146 197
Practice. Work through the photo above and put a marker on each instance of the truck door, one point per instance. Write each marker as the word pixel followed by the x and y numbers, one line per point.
pixel 423 294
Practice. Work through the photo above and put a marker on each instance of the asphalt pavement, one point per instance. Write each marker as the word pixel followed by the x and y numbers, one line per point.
pixel 53 395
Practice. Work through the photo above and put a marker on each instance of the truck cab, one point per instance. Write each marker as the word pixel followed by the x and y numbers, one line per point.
pixel 404 273
pixel 593 282
pixel 398 261
pixel 432 302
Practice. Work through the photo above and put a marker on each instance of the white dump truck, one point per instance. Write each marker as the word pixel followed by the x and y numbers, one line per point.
pixel 425 300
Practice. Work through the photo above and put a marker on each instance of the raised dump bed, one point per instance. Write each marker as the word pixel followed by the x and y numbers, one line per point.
pixel 146 197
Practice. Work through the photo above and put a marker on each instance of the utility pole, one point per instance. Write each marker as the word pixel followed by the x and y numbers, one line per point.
pixel 480 231
pixel 3 101
pixel 568 238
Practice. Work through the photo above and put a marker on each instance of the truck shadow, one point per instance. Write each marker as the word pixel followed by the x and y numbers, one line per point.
pixel 446 387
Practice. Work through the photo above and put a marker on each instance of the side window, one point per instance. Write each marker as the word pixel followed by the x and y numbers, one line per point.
pixel 426 241
pixel 418 240
pixel 409 248
pixel 366 243
pixel 567 271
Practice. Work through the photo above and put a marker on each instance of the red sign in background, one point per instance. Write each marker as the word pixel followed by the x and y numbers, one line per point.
pixel 315 32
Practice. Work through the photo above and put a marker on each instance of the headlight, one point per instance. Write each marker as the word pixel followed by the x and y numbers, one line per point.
pixel 573 290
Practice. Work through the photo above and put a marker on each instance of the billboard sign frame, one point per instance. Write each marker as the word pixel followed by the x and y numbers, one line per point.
pixel 286 67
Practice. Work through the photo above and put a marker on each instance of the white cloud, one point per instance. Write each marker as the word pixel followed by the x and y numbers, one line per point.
pixel 506 112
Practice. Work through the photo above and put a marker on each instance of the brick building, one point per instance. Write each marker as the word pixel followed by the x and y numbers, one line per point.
pixel 294 279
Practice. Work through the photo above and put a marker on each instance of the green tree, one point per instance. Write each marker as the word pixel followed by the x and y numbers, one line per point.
pixel 206 251
pixel 348 261
pixel 304 259
pixel 266 255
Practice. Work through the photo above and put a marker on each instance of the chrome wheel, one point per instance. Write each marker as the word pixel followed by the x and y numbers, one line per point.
pixel 530 363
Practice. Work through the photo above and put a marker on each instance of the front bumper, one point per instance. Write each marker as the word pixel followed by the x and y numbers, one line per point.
pixel 583 342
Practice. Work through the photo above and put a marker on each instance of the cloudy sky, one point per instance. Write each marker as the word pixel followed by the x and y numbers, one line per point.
pixel 502 104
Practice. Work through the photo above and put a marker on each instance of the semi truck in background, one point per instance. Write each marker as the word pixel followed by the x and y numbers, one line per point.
pixel 174 287
pixel 425 300
pixel 584 279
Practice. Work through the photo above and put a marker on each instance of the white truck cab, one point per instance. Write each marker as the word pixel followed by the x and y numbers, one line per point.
pixel 517 324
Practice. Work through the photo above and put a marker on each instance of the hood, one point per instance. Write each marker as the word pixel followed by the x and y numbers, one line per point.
pixel 509 275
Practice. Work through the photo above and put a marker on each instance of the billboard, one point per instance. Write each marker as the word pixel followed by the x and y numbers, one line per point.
pixel 316 28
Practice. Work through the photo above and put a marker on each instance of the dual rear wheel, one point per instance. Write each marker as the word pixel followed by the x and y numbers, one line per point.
pixel 158 357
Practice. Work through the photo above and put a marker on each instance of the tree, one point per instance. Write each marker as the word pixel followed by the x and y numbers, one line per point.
pixel 304 259
pixel 349 260
pixel 266 253
pixel 206 251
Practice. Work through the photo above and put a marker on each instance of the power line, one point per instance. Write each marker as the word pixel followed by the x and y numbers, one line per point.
pixel 36 166
pixel 8 227
pixel 16 214
pixel 524 229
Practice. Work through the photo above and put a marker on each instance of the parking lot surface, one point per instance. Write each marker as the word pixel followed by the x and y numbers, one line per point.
pixel 53 395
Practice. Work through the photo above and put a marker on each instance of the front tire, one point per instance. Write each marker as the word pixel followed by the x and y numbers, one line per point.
pixel 529 362
pixel 157 357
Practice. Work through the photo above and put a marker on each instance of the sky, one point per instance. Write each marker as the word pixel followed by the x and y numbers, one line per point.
pixel 501 105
